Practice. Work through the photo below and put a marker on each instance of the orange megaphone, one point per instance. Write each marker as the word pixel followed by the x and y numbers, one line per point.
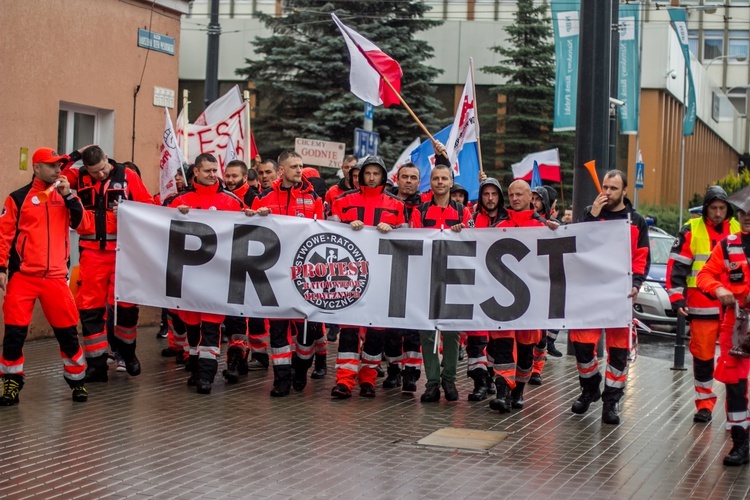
pixel 591 167
pixel 43 197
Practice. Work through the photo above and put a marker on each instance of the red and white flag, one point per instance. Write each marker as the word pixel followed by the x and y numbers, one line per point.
pixel 368 63
pixel 170 162
pixel 549 166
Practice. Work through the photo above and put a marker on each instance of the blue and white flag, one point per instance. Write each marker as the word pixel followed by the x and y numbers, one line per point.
pixel 467 164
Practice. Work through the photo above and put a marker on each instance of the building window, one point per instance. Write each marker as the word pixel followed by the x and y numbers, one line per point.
pixel 713 44
pixel 738 98
pixel 80 125
pixel 693 42
pixel 738 43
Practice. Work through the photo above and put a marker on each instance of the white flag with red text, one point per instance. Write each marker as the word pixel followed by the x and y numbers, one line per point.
pixel 171 160
pixel 465 127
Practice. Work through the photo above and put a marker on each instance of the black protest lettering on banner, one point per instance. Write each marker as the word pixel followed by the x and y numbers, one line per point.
pixel 400 250
pixel 178 256
pixel 255 266
pixel 555 249
pixel 507 278
pixel 442 276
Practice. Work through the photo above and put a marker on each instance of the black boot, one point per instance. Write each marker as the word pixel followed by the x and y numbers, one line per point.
pixel 588 395
pixel 552 350
pixel 409 377
pixel 501 402
pixel 431 394
pixel 449 389
pixel 96 369
pixel 300 368
pixel 489 382
pixel 609 413
pixel 536 379
pixel 394 377
pixel 319 369
pixel 516 395
pixel 740 453
pixel 234 359
pixel 192 368
pixel 258 361
pixel 480 385
pixel 282 381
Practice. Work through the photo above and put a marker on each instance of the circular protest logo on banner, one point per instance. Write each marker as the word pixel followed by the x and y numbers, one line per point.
pixel 330 272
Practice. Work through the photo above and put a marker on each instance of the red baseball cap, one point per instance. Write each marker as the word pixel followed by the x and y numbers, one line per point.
pixel 47 155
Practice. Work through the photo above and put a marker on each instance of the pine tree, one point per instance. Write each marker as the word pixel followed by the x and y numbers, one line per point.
pixel 524 121
pixel 302 75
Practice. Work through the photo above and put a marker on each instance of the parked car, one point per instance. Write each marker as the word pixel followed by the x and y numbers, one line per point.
pixel 652 307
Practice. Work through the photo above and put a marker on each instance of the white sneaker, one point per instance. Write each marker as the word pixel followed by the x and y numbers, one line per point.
pixel 121 366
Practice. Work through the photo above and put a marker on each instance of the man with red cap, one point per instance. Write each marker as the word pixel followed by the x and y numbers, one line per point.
pixel 35 227
pixel 101 183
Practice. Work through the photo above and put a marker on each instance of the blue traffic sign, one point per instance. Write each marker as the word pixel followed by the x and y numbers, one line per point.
pixel 365 143
pixel 640 171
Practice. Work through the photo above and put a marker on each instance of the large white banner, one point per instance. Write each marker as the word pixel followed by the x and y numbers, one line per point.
pixel 288 267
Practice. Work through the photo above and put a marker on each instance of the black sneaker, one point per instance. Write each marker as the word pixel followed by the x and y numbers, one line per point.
pixel 552 350
pixel 11 387
pixel 162 333
pixel 536 379
pixel 367 390
pixel 133 367
pixel 79 394
pixel 319 373
pixel 203 386
pixel 449 389
pixel 340 391
pixel 703 416
pixel 583 402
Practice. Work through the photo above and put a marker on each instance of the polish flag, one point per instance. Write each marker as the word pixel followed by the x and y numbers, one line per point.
pixel 368 64
pixel 549 166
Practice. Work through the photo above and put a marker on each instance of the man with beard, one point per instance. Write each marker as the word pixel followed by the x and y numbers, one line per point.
pixel 344 184
pixel 611 204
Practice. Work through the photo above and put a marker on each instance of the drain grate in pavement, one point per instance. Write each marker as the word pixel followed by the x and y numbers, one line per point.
pixel 467 439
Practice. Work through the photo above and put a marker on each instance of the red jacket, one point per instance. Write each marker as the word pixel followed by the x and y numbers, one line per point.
pixel 99 198
pixel 299 200
pixel 206 198
pixel 335 191
pixel 36 238
pixel 430 215
pixel 371 206
pixel 521 218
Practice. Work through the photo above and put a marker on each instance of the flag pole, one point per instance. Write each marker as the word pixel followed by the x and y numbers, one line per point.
pixel 185 103
pixel 476 115
pixel 249 146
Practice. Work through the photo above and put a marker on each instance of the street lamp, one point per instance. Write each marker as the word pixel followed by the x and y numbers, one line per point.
pixel 729 57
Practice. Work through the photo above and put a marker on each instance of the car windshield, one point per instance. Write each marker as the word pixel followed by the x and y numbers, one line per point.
pixel 660 248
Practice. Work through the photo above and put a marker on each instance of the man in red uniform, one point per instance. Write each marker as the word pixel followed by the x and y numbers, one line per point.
pixel 291 195
pixel 203 329
pixel 726 278
pixel 268 171
pixel 611 204
pixel 689 254
pixel 34 252
pixel 512 351
pixel 441 212
pixel 101 183
pixel 369 205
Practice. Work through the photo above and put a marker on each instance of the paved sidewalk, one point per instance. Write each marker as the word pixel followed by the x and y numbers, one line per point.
pixel 151 436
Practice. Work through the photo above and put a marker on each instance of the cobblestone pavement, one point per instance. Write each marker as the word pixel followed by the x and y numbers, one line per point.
pixel 151 436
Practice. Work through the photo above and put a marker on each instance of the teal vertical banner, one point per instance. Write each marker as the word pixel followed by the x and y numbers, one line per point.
pixel 566 26
pixel 627 84
pixel 679 23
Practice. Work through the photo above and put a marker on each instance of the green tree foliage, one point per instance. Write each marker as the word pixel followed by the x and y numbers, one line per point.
pixel 527 116
pixel 302 74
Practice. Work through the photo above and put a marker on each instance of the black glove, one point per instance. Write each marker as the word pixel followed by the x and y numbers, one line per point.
pixel 677 304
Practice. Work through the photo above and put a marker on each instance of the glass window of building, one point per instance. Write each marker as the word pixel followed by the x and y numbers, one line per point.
pixel 738 43
pixel 713 44
pixel 693 41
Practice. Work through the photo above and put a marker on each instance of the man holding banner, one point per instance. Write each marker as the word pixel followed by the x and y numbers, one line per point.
pixel 370 205
pixel 291 195
pixel 203 329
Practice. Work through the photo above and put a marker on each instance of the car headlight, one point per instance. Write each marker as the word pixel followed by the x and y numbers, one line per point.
pixel 647 289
